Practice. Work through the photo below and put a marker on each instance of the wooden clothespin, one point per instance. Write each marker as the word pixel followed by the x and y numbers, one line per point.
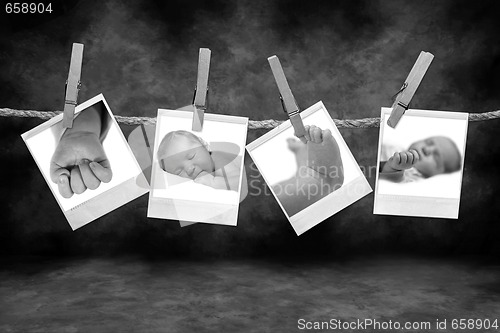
pixel 73 85
pixel 405 94
pixel 200 100
pixel 287 100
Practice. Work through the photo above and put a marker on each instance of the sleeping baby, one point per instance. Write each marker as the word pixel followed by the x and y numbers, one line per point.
pixel 184 154
pixel 423 159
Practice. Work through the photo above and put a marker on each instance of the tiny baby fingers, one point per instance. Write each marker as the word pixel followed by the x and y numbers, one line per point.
pixel 416 156
pixel 89 179
pixel 63 186
pixel 200 177
pixel 76 181
pixel 56 172
pixel 102 172
pixel 396 158
pixel 409 157
pixel 203 178
pixel 404 158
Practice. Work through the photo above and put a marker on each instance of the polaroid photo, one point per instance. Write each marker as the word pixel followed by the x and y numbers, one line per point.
pixel 312 181
pixel 89 168
pixel 420 164
pixel 197 176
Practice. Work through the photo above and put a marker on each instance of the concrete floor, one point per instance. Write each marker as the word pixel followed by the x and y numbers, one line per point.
pixel 136 295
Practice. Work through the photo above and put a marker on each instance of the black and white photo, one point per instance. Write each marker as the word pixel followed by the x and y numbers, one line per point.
pixel 420 164
pixel 197 176
pixel 89 168
pixel 313 180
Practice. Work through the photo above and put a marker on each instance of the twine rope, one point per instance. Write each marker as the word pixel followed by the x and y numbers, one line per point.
pixel 252 124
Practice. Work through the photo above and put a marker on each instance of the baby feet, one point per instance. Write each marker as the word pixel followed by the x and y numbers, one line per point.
pixel 323 153
pixel 320 157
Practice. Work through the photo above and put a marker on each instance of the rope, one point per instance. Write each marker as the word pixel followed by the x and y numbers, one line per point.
pixel 252 124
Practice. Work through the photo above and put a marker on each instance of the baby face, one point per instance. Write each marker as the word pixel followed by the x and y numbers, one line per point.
pixel 184 155
pixel 438 154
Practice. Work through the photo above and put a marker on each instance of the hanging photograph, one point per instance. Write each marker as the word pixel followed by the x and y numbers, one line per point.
pixel 420 164
pixel 197 175
pixel 314 180
pixel 89 168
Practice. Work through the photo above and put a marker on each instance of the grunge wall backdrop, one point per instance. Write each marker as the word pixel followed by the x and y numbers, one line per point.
pixel 353 55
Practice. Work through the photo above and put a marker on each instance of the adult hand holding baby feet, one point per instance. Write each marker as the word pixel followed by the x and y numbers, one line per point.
pixel 79 161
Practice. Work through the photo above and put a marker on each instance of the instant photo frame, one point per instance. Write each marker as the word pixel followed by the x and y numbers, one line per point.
pixel 437 196
pixel 276 163
pixel 176 198
pixel 127 183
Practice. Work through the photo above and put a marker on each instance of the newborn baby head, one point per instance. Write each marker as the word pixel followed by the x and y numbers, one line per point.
pixel 184 154
pixel 438 155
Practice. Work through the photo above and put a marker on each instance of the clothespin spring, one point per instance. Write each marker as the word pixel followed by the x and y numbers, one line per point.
pixel 78 87
pixel 201 107
pixel 400 90
pixel 403 105
pixel 296 120
pixel 291 113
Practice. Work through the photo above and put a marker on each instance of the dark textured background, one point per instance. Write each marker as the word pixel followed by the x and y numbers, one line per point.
pixel 353 55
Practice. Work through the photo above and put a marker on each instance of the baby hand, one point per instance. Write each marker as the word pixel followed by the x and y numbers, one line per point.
pixel 403 160
pixel 79 163
pixel 205 178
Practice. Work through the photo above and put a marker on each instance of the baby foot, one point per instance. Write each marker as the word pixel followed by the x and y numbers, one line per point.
pixel 323 154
